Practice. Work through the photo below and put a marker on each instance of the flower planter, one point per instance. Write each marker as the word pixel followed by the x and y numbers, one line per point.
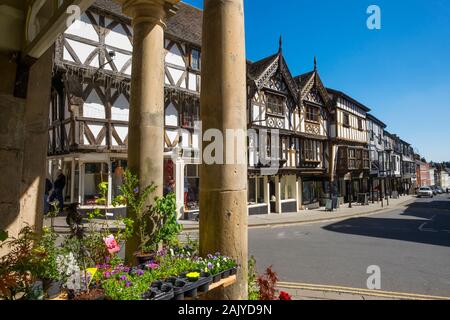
pixel 179 289
pixel 233 271
pixel 94 294
pixel 192 293
pixel 225 274
pixel 217 277
pixel 204 281
pixel 157 284
pixel 165 293
pixel 143 258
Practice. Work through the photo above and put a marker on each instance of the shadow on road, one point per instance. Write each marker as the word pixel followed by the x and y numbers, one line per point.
pixel 430 225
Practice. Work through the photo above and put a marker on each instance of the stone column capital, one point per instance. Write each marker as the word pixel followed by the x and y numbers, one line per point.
pixel 153 11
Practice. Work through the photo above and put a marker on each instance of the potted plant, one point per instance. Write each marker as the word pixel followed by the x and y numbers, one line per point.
pixel 193 276
pixel 135 199
pixel 48 271
pixel 19 267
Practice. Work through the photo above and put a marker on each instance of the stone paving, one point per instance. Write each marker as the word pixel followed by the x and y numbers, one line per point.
pixel 320 214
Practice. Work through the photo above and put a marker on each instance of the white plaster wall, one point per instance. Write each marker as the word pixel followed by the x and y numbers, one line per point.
pixel 93 107
pixel 174 56
pixel 171 116
pixel 83 28
pixel 120 109
pixel 118 38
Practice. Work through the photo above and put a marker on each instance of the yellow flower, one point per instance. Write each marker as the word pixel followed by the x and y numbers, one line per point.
pixel 193 275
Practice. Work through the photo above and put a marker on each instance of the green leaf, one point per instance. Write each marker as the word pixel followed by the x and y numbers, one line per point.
pixel 3 235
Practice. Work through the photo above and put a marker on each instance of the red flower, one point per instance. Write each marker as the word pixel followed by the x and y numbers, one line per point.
pixel 284 296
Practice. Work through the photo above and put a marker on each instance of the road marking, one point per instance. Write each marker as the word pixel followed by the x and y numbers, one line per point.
pixel 422 229
pixel 359 291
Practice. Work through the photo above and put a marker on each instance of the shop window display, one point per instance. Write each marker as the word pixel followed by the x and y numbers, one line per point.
pixel 94 174
pixel 191 187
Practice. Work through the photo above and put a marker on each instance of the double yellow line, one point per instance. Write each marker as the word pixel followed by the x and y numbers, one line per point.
pixel 359 291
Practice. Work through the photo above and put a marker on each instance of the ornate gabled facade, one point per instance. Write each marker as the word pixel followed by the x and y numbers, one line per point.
pixel 312 128
pixel 272 105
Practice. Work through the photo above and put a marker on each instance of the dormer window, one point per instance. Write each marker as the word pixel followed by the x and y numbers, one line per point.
pixel 312 114
pixel 275 104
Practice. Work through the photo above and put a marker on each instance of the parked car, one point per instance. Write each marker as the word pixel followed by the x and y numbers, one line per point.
pixel 425 192
pixel 439 190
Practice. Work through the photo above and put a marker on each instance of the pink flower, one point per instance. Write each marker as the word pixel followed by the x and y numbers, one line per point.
pixel 111 244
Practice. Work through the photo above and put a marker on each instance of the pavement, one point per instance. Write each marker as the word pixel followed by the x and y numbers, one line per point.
pixel 409 244
pixel 260 221
pixel 315 215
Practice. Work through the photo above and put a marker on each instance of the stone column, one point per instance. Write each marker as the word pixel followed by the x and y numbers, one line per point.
pixel 146 122
pixel 36 141
pixel 223 187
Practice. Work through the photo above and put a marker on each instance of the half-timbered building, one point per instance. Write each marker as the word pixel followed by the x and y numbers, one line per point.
pixel 312 129
pixel 350 153
pixel 272 104
pixel 377 152
pixel 88 132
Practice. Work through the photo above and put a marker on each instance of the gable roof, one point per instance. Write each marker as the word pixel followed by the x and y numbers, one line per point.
pixel 307 81
pixel 303 79
pixel 376 120
pixel 256 69
pixel 186 24
pixel 337 93
pixel 258 72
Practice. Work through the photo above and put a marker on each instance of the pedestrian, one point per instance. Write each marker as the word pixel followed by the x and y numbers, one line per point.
pixel 48 187
pixel 170 187
pixel 58 189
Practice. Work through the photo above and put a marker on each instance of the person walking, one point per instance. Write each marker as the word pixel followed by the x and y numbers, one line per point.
pixel 47 189
pixel 58 189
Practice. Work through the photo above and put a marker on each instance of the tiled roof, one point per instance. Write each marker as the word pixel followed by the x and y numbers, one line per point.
pixel 345 96
pixel 256 69
pixel 185 25
pixel 303 79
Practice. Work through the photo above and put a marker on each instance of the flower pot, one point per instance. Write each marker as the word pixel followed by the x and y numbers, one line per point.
pixel 217 277
pixel 148 295
pixel 157 284
pixel 179 289
pixel 166 292
pixel 192 293
pixel 172 280
pixel 233 271
pixel 193 276
pixel 143 258
pixel 204 281
pixel 225 274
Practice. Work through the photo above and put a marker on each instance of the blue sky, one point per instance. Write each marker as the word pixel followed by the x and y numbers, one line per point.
pixel 401 72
